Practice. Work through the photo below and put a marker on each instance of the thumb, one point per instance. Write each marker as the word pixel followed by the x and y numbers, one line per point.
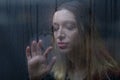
pixel 50 65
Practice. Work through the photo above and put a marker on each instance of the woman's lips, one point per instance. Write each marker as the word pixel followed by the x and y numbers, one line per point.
pixel 62 45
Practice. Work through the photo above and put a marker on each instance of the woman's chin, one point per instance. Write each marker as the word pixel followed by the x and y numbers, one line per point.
pixel 64 51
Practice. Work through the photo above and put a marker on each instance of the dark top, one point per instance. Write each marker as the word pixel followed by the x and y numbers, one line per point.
pixel 110 76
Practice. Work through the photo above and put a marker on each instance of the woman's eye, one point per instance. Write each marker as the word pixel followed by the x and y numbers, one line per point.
pixel 70 26
pixel 55 27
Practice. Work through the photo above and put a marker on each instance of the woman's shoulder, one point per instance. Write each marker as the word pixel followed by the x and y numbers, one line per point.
pixel 107 75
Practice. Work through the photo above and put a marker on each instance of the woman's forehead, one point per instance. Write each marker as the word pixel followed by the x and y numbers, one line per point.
pixel 63 15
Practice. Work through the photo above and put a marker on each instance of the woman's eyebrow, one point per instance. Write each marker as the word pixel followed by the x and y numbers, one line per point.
pixel 71 22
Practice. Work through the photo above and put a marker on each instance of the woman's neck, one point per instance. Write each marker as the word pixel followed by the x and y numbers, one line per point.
pixel 76 69
pixel 75 72
pixel 74 60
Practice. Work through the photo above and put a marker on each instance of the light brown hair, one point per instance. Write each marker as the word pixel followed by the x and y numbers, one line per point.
pixel 91 51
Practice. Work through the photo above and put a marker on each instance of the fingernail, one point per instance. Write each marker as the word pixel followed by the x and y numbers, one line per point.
pixel 54 58
pixel 51 47
pixel 28 47
pixel 40 40
pixel 34 43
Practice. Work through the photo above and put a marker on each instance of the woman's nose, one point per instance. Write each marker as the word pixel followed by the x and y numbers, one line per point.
pixel 61 34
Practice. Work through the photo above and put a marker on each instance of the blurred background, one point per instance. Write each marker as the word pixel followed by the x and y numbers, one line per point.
pixel 22 21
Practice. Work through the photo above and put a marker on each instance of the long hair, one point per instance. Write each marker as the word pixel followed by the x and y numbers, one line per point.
pixel 90 50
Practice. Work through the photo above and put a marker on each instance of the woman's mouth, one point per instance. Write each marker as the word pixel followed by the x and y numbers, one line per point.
pixel 62 45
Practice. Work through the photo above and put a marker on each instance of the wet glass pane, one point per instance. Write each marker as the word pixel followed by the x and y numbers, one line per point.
pixel 22 21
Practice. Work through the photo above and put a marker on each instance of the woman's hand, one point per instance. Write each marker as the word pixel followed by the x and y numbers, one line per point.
pixel 37 62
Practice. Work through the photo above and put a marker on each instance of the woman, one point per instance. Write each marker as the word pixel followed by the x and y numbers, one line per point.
pixel 78 53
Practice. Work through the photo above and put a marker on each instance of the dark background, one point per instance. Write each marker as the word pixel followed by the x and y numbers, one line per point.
pixel 22 21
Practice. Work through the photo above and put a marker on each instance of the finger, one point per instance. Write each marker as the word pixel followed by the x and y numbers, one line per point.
pixel 28 53
pixel 47 51
pixel 49 67
pixel 34 48
pixel 39 45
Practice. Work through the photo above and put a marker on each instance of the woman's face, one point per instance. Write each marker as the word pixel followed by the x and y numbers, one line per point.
pixel 65 29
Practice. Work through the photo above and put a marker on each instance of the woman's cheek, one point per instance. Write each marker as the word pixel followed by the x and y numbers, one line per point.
pixel 55 35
